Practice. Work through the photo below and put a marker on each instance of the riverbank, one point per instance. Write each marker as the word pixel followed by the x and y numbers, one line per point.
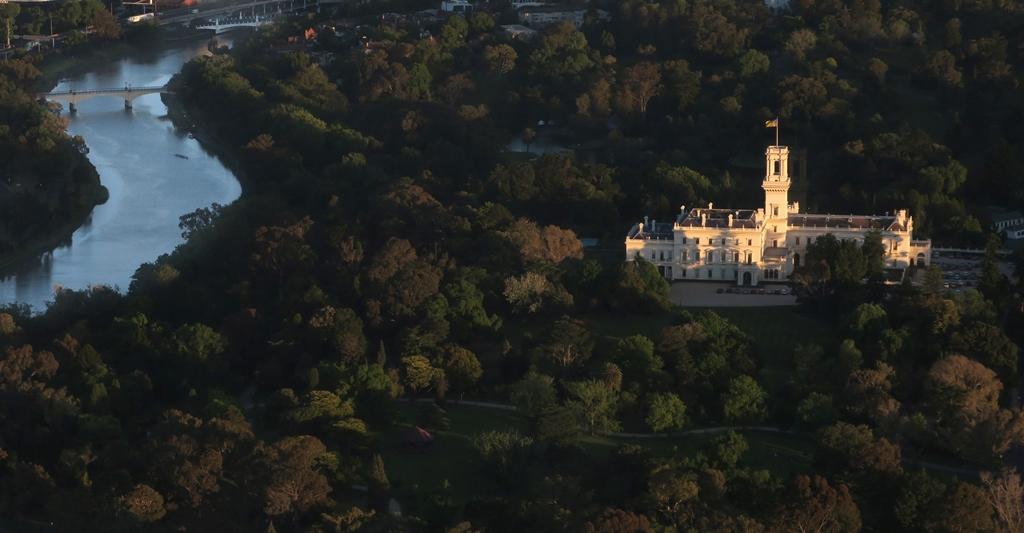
pixel 35 248
pixel 58 65
pixel 54 67
pixel 184 118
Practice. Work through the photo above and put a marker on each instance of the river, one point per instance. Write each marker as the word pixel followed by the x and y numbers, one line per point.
pixel 150 186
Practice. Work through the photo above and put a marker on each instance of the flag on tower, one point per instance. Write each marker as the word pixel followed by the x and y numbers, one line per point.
pixel 773 123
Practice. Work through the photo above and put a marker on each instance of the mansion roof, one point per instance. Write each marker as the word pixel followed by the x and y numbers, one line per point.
pixel 728 219
pixel 855 222
pixel 718 218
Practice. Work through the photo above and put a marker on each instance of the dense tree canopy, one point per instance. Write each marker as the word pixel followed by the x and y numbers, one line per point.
pixel 391 254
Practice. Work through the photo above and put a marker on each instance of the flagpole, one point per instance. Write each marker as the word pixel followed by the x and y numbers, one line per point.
pixel 778 125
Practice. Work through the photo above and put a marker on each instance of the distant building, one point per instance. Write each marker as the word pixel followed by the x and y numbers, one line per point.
pixel 747 246
pixel 1014 232
pixel 543 16
pixel 777 4
pixel 456 7
pixel 518 32
pixel 1003 220
pixel 516 4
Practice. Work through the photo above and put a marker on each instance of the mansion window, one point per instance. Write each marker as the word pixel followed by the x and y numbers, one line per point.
pixel 684 240
pixel 735 257
pixel 683 257
pixel 662 255
pixel 670 255
pixel 778 167
pixel 710 257
pixel 749 258
pixel 749 242
pixel 654 256
pixel 775 210
pixel 798 241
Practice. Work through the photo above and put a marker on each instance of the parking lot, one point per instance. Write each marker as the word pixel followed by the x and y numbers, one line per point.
pixel 962 270
pixel 708 294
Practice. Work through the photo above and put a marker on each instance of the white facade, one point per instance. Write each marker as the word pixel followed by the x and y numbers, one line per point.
pixel 542 16
pixel 1006 220
pixel 747 246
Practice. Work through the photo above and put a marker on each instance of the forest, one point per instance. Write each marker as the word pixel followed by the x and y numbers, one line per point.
pixel 393 269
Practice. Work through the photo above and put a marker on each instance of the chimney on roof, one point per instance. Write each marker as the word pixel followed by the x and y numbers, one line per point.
pixel 645 220
pixel 654 227
pixel 682 209
pixel 730 220
pixel 711 205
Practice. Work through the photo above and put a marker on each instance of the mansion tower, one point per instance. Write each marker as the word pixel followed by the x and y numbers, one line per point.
pixel 752 245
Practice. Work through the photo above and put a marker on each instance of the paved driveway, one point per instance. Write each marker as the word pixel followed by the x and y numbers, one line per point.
pixel 705 294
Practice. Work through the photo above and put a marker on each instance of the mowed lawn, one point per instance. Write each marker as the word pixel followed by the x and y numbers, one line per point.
pixel 451 461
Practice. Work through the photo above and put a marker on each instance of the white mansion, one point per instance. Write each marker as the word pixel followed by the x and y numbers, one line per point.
pixel 767 243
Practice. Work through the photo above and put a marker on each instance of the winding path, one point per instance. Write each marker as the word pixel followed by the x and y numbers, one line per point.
pixel 970 472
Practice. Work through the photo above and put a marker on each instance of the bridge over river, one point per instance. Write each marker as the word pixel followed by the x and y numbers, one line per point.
pixel 242 10
pixel 129 93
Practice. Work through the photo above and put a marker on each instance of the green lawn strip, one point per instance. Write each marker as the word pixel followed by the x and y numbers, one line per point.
pixel 617 326
pixel 453 459
pixel 782 454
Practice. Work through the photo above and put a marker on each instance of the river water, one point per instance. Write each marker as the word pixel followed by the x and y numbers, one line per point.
pixel 150 186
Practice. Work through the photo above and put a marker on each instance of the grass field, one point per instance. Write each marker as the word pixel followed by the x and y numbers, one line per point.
pixel 453 462
pixel 451 459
